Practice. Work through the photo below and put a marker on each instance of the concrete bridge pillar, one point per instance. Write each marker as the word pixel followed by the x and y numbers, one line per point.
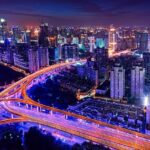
pixel 12 116
pixel 19 104
pixel 66 117
pixel 51 112
pixel 27 106
pixel 39 126
pixel 37 108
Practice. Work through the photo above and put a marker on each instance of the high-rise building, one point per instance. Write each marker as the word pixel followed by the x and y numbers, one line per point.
pixel 3 30
pixel 20 62
pixel 148 42
pixel 9 55
pixel 43 56
pixel 53 54
pixel 101 60
pixel 16 34
pixel 60 51
pixel 148 116
pixel 43 45
pixel 43 35
pixel 20 56
pixel 70 51
pixel 125 39
pixel 101 43
pixel 112 41
pixel 92 44
pixel 101 56
pixel 117 82
pixel 26 36
pixel 6 54
pixel 101 39
pixel 137 81
pixel 142 41
pixel 89 71
pixel 146 59
pixel 33 58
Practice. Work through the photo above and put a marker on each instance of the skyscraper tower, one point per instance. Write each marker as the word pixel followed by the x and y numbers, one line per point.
pixel 43 56
pixel 142 41
pixel 112 41
pixel 137 81
pixel 16 34
pixel 43 35
pixel 148 116
pixel 43 45
pixel 92 44
pixel 148 43
pixel 33 57
pixel 117 82
pixel 60 51
pixel 3 29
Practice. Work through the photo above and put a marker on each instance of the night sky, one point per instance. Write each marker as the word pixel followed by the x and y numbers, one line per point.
pixel 76 12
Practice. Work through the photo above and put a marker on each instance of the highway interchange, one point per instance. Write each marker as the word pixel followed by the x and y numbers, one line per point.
pixel 15 100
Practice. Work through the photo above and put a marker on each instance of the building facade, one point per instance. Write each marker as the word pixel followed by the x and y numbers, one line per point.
pixel 33 57
pixel 117 82
pixel 43 56
pixel 142 41
pixel 137 81
pixel 70 51
pixel 112 39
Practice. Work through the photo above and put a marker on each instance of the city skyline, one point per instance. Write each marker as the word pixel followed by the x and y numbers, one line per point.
pixel 75 74
pixel 84 12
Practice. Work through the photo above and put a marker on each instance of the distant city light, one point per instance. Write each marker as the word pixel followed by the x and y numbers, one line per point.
pixel 2 41
pixel 2 20
pixel 28 31
pixel 36 32
pixel 146 101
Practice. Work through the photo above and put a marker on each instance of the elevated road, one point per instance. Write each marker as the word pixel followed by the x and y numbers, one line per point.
pixel 118 140
pixel 90 129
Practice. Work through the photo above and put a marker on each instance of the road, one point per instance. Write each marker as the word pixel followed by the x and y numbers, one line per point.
pixel 96 131
pixel 118 140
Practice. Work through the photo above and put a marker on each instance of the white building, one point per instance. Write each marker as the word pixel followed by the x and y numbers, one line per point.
pixel 137 81
pixel 33 57
pixel 117 82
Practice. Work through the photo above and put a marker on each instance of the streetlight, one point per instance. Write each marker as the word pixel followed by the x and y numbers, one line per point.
pixel 2 20
pixel 146 101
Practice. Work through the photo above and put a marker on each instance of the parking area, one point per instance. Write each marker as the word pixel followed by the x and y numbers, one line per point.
pixel 127 116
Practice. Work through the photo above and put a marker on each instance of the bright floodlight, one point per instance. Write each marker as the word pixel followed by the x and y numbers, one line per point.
pixel 2 20
pixel 2 41
pixel 146 101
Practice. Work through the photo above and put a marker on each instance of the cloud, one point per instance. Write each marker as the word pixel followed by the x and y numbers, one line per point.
pixel 77 11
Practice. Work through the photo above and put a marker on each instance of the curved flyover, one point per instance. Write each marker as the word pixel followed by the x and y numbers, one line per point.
pixel 104 133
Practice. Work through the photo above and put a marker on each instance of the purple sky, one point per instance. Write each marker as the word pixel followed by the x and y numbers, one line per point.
pixel 76 12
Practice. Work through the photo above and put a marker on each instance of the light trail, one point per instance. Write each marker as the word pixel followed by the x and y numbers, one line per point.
pixel 96 131
pixel 67 126
pixel 124 52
